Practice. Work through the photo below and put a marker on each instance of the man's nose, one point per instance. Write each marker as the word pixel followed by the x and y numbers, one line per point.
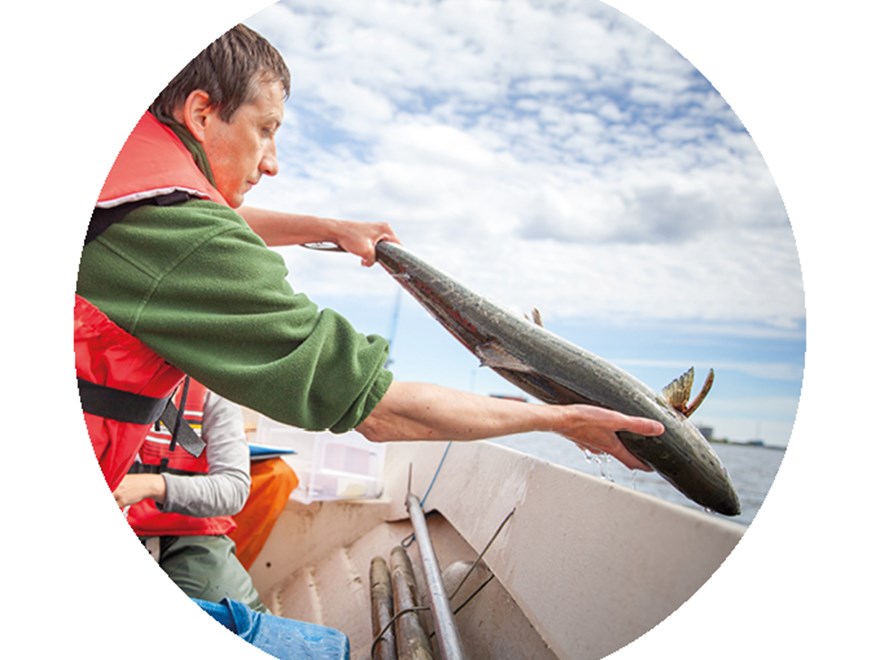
pixel 269 163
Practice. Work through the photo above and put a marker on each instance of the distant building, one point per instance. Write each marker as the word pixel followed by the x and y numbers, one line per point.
pixel 510 397
pixel 707 431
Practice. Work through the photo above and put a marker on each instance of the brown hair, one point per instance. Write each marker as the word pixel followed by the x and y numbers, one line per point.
pixel 229 70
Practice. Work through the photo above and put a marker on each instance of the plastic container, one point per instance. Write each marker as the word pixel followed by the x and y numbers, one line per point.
pixel 329 466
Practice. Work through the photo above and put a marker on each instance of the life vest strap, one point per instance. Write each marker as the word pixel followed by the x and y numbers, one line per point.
pixel 144 468
pixel 131 408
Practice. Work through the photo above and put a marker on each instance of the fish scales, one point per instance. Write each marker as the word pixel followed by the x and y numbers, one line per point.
pixel 557 371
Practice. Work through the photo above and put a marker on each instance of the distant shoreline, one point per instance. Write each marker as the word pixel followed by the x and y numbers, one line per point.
pixel 746 443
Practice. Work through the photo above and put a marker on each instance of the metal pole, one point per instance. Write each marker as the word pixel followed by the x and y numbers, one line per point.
pixel 441 612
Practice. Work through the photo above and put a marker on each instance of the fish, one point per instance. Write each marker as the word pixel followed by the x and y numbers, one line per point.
pixel 557 371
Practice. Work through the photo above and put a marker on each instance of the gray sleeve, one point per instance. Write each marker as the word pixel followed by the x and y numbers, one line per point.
pixel 224 490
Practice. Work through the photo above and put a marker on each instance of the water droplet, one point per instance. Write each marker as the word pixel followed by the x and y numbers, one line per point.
pixel 605 467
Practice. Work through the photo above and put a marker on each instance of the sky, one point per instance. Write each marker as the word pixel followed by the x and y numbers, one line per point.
pixel 555 155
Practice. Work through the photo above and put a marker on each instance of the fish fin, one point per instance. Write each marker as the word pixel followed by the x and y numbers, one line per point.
pixel 536 317
pixel 495 356
pixel 678 391
pixel 710 378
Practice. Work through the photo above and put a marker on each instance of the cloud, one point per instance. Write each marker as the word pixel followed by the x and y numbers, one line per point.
pixel 536 150
pixel 785 371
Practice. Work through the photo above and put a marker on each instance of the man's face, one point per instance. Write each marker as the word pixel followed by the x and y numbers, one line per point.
pixel 243 150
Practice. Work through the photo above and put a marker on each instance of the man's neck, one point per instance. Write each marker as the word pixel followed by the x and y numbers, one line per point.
pixel 198 154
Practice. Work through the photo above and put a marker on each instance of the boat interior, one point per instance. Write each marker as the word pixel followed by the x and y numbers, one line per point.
pixel 534 560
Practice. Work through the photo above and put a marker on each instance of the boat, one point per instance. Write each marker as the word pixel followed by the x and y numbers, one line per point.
pixel 507 556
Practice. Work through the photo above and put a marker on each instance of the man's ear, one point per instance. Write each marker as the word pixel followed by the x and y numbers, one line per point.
pixel 196 112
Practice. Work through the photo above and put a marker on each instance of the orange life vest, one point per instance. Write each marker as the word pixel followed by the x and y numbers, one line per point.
pixel 272 482
pixel 153 162
pixel 159 454
pixel 107 356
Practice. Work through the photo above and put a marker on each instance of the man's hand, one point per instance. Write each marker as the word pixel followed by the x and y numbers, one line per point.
pixel 361 238
pixel 595 429
pixel 137 487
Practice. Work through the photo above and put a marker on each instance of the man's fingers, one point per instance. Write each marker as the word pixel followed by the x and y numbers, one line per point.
pixel 643 426
pixel 636 425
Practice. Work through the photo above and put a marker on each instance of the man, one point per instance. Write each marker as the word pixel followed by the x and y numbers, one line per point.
pixel 180 278
pixel 182 507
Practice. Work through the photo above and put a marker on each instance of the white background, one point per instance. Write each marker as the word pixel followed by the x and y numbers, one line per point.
pixel 800 77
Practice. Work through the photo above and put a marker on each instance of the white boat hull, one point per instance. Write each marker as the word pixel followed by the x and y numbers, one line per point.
pixel 582 568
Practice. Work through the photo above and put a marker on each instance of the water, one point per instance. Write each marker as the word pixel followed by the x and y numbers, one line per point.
pixel 751 468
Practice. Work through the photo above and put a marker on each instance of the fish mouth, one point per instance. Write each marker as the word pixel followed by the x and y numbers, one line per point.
pixel 731 509
pixel 727 506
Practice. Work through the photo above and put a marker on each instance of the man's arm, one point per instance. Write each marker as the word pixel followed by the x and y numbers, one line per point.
pixel 420 411
pixel 223 491
pixel 358 238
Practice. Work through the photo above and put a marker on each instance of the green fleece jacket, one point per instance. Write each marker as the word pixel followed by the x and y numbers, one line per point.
pixel 195 284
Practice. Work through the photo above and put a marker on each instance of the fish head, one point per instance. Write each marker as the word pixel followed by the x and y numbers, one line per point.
pixel 684 458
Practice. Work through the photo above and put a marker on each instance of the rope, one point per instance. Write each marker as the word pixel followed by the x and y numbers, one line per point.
pixel 434 478
pixel 480 557
pixel 378 638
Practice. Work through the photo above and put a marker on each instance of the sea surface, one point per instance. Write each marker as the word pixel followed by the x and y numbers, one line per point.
pixel 752 469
